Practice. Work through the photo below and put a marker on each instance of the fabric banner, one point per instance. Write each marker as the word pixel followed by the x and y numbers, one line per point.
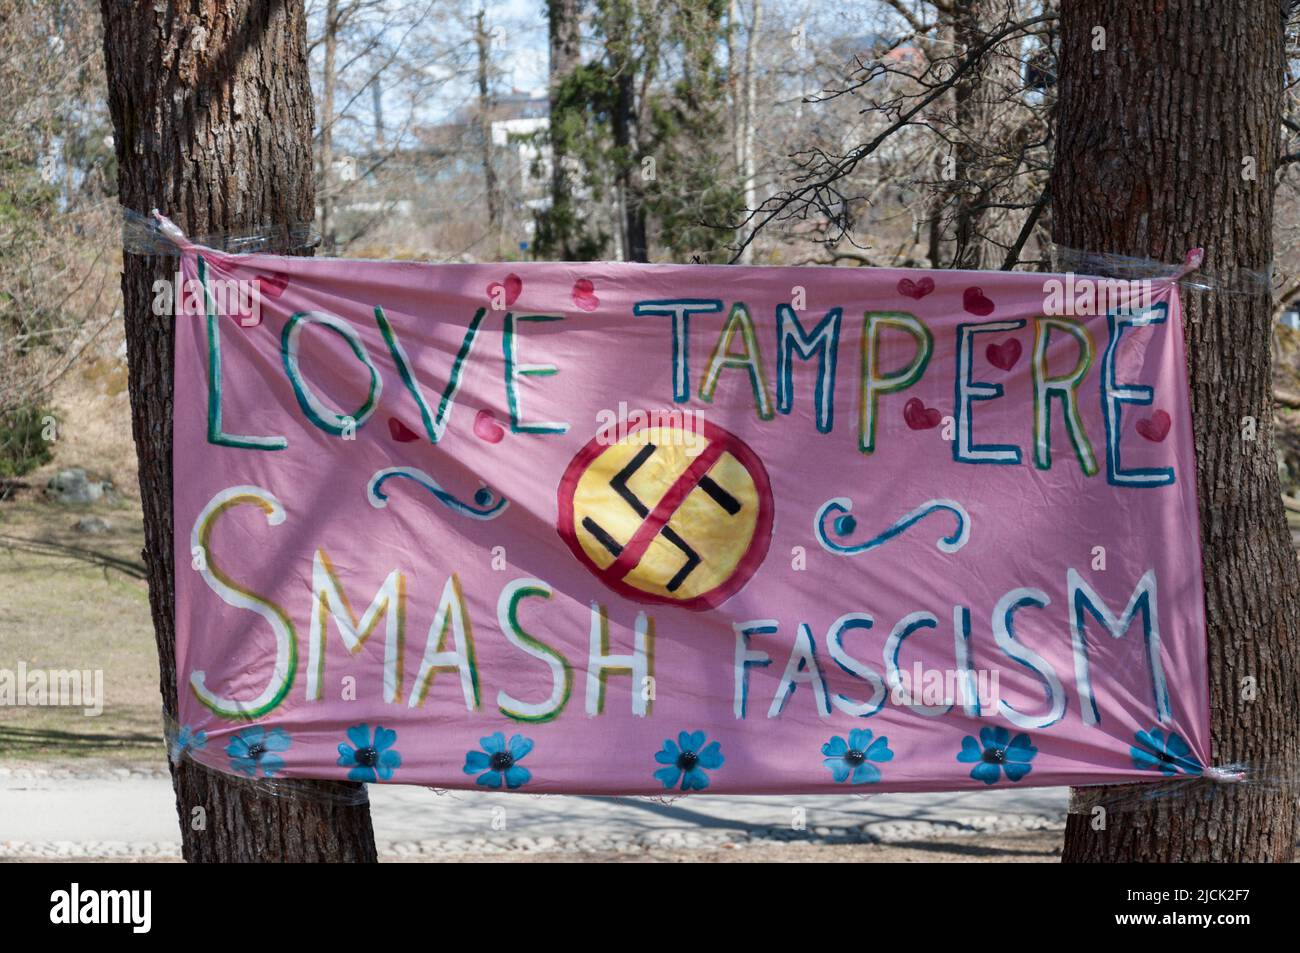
pixel 641 529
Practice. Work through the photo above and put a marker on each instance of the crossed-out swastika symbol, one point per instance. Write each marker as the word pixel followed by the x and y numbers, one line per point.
pixel 619 484
pixel 660 523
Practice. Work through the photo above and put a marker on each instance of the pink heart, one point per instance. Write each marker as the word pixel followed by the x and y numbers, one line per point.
pixel 919 416
pixel 272 285
pixel 513 286
pixel 915 289
pixel 400 432
pixel 584 295
pixel 1004 355
pixel 1156 427
pixel 487 428
pixel 974 301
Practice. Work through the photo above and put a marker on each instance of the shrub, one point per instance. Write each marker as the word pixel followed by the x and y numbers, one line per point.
pixel 23 447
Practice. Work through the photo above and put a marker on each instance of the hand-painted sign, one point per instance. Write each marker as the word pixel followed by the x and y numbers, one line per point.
pixel 619 528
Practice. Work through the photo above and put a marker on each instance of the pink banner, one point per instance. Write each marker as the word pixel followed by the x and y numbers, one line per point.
pixel 653 528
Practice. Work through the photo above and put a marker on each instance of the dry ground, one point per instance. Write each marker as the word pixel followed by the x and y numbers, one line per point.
pixel 1040 847
pixel 72 601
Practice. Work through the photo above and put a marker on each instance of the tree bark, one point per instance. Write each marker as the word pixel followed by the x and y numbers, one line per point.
pixel 1158 136
pixel 563 20
pixel 329 76
pixel 622 25
pixel 212 112
pixel 748 167
pixel 972 100
pixel 482 42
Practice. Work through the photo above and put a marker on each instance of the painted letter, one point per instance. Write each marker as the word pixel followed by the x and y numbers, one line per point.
pixel 873 382
pixel 231 593
pixel 561 672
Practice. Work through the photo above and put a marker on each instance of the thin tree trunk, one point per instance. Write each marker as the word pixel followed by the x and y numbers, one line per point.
pixel 482 42
pixel 565 58
pixel 217 134
pixel 733 87
pixel 377 104
pixel 1159 134
pixel 747 135
pixel 971 21
pixel 328 77
pixel 934 220
pixel 625 129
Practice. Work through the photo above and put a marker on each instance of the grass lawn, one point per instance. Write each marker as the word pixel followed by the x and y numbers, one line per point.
pixel 61 609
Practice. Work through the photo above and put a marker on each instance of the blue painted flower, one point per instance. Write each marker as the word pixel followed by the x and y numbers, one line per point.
pixel 687 760
pixel 996 752
pixel 851 760
pixel 369 759
pixel 187 739
pixel 1168 754
pixel 253 751
pixel 499 761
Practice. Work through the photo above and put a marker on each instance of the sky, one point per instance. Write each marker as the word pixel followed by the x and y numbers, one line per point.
pixel 526 67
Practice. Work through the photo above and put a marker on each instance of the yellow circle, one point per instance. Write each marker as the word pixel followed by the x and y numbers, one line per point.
pixel 705 528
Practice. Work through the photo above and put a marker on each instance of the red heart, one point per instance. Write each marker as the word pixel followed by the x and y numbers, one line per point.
pixel 400 432
pixel 919 416
pixel 272 285
pixel 584 295
pixel 974 301
pixel 512 286
pixel 487 428
pixel 1156 427
pixel 1004 355
pixel 915 289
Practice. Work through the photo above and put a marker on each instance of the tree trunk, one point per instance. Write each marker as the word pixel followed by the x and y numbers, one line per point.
pixel 482 42
pixel 973 99
pixel 734 101
pixel 624 65
pixel 565 58
pixel 377 103
pixel 1158 137
pixel 328 79
pixel 212 112
pixel 748 167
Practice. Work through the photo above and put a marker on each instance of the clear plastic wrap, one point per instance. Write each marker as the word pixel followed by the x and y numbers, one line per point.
pixel 1195 273
pixel 185 744
pixel 155 234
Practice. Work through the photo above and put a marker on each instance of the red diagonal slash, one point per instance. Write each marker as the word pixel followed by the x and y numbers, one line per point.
pixel 664 510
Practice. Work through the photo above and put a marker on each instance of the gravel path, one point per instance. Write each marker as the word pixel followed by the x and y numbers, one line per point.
pixel 129 813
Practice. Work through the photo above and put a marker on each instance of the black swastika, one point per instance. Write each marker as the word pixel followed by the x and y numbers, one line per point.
pixel 729 504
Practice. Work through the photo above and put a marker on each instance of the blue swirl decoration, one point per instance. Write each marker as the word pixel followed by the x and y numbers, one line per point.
pixel 843 524
pixel 486 506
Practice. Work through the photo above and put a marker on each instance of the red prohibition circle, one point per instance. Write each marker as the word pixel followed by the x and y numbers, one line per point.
pixel 719 441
